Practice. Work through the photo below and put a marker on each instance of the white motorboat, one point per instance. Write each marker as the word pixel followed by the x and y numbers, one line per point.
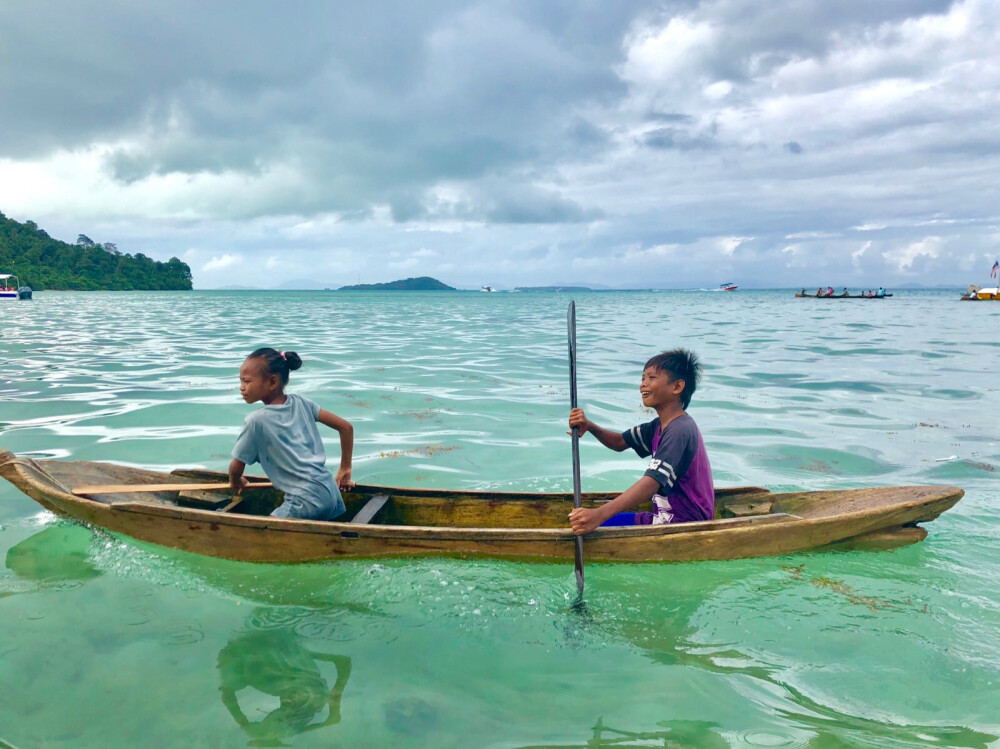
pixel 12 290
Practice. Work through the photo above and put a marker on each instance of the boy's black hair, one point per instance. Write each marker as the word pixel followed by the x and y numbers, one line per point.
pixel 278 362
pixel 680 364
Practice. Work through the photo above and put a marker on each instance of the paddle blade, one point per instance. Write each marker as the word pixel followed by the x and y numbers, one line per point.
pixel 571 338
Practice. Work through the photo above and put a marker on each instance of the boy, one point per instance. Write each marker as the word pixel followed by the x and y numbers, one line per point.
pixel 679 477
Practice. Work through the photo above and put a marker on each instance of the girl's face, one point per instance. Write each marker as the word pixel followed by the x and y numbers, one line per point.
pixel 256 384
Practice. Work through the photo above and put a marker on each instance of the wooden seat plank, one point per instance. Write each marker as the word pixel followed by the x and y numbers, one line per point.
pixel 203 499
pixel 372 506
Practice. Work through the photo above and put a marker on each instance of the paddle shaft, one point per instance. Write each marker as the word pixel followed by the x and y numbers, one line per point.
pixel 130 488
pixel 571 327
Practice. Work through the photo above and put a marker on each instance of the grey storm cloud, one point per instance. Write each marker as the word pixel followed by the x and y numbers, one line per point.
pixel 681 139
pixel 520 139
pixel 389 93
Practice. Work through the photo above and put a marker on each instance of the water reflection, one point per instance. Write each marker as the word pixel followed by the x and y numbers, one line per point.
pixel 826 734
pixel 676 734
pixel 835 728
pixel 257 666
pixel 800 719
pixel 275 686
pixel 823 725
pixel 56 555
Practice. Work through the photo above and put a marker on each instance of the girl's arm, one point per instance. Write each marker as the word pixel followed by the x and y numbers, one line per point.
pixel 236 478
pixel 584 519
pixel 346 432
pixel 614 440
pixel 232 704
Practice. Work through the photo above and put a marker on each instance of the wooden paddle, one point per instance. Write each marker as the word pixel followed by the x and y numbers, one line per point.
pixel 571 326
pixel 130 488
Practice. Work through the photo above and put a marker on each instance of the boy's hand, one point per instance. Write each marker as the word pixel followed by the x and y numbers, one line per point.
pixel 239 484
pixel 578 419
pixel 343 479
pixel 584 520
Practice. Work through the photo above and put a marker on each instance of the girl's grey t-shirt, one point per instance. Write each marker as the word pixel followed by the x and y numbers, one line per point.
pixel 285 440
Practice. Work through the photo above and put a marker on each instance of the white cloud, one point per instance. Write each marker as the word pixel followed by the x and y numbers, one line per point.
pixel 903 258
pixel 639 255
pixel 812 235
pixel 321 225
pixel 221 262
pixel 859 253
pixel 729 245
pixel 407 264
pixel 660 58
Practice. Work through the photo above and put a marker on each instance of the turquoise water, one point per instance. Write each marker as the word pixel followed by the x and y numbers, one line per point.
pixel 112 643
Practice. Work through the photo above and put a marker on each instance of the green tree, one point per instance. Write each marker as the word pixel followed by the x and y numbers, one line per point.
pixel 45 263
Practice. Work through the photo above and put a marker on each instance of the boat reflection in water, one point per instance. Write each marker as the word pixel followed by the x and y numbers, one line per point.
pixel 810 732
pixel 276 664
pixel 275 687
pixel 677 734
pixel 55 556
pixel 271 684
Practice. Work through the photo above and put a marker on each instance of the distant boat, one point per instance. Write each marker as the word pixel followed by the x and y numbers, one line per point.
pixel 12 289
pixel 843 295
pixel 487 288
pixel 975 293
pixel 727 287
pixel 978 294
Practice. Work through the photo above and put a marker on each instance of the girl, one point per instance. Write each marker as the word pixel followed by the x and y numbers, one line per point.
pixel 283 437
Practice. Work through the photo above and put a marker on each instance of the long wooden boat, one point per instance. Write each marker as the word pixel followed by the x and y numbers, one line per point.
pixel 800 295
pixel 384 521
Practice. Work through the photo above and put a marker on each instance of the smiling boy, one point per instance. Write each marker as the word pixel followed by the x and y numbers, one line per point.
pixel 679 477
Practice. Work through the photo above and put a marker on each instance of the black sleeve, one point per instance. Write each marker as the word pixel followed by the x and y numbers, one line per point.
pixel 640 438
pixel 676 450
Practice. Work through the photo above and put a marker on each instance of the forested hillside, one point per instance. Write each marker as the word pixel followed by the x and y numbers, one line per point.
pixel 45 263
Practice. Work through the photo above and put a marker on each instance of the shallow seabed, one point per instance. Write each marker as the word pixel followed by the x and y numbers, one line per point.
pixel 112 643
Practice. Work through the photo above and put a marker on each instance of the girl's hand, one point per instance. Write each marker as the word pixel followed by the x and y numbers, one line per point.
pixel 343 479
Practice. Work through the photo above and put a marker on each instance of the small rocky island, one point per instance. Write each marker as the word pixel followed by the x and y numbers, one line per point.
pixel 424 283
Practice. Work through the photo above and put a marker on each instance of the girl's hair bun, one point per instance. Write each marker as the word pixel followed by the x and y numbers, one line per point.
pixel 278 362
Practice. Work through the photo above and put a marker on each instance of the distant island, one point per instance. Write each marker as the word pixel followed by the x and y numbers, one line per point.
pixel 552 288
pixel 41 262
pixel 424 283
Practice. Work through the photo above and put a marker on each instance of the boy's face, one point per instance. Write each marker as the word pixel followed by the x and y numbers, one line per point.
pixel 658 389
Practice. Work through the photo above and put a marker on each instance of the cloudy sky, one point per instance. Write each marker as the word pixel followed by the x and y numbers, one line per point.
pixel 512 143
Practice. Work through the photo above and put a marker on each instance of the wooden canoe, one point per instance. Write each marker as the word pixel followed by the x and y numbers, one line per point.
pixel 800 295
pixel 750 521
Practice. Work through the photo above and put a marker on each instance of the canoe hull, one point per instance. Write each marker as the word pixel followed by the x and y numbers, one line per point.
pixel 839 296
pixel 266 539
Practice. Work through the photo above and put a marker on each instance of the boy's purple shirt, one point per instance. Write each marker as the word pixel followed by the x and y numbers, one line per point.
pixel 679 465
